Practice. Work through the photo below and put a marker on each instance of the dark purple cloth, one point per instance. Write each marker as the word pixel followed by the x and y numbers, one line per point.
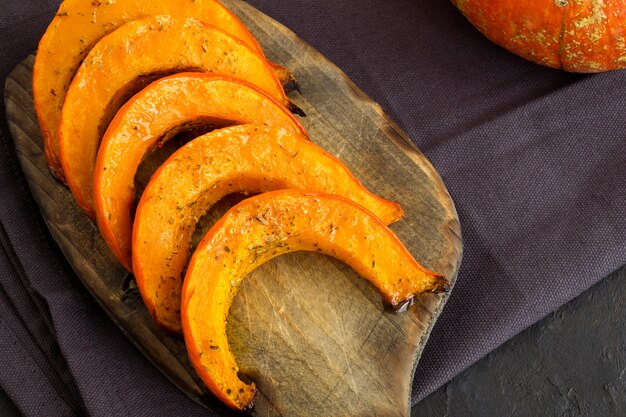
pixel 534 158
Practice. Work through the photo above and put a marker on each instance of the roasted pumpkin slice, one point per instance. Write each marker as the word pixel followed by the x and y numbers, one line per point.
pixel 268 225
pixel 246 158
pixel 123 62
pixel 153 116
pixel 76 28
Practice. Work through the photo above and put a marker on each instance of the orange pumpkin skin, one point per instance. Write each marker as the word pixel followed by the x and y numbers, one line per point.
pixel 572 35
pixel 150 118
pixel 79 24
pixel 268 225
pixel 246 158
pixel 123 62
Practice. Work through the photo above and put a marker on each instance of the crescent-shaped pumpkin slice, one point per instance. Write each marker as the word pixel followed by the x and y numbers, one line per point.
pixel 246 158
pixel 153 116
pixel 80 24
pixel 123 62
pixel 268 225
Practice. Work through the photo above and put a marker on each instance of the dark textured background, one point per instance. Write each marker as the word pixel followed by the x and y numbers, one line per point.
pixel 572 363
pixel 534 158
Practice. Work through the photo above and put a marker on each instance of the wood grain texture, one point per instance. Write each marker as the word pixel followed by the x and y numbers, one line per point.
pixel 313 335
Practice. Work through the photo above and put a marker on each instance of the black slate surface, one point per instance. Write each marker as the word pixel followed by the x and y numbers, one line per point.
pixel 572 363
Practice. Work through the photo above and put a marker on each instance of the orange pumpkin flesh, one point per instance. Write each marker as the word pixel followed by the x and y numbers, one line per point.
pixel 247 158
pixel 149 119
pixel 137 51
pixel 80 24
pixel 572 35
pixel 268 225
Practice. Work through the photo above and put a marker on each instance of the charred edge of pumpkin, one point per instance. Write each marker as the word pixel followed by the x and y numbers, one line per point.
pixel 178 335
pixel 286 78
pixel 291 84
pixel 56 169
pixel 441 286
pixel 295 109
pixel 241 410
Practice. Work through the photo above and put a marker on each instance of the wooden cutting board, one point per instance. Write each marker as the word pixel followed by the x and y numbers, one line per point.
pixel 313 335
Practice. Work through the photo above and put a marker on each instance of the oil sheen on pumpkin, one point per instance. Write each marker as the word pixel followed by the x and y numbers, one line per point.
pixel 269 225
pixel 79 24
pixel 246 158
pixel 142 50
pixel 149 119
pixel 572 35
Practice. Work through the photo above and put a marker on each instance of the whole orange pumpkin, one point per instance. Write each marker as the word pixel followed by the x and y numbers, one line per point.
pixel 572 35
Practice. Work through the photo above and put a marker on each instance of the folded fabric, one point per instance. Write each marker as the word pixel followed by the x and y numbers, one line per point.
pixel 30 352
pixel 534 158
